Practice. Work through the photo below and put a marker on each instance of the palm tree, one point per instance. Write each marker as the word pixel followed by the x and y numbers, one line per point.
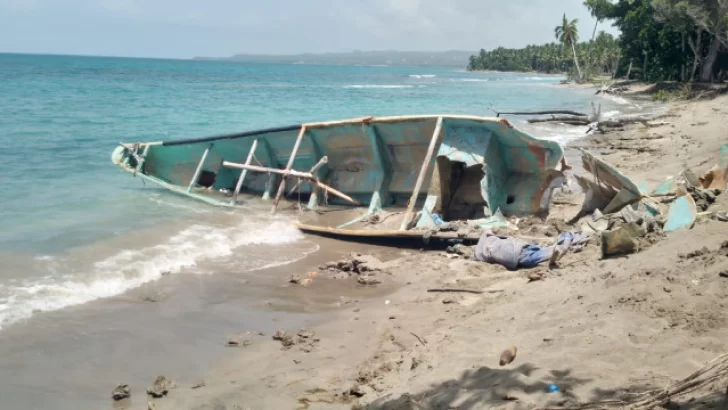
pixel 568 34
pixel 599 9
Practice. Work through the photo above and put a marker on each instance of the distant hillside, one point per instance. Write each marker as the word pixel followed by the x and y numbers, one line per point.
pixel 454 58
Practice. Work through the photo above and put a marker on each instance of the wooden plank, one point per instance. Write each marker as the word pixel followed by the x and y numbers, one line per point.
pixel 291 159
pixel 382 233
pixel 421 176
pixel 306 175
pixel 198 171
pixel 244 172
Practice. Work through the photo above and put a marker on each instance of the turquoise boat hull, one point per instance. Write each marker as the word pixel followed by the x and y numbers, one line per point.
pixel 375 161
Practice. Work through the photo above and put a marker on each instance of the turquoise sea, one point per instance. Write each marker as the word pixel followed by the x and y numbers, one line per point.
pixel 104 280
pixel 76 229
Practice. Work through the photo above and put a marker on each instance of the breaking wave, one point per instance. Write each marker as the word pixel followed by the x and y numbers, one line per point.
pixel 382 86
pixel 63 285
pixel 423 75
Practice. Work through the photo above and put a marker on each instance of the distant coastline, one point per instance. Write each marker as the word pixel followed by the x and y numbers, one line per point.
pixel 451 58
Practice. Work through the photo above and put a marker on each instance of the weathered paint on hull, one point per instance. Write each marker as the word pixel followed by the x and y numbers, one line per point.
pixel 376 161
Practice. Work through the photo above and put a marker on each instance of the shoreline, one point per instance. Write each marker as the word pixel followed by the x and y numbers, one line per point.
pixel 596 328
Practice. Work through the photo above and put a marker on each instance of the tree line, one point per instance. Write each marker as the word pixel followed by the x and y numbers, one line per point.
pixel 660 40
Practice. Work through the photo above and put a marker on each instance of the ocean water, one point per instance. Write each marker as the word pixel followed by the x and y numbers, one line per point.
pixel 76 229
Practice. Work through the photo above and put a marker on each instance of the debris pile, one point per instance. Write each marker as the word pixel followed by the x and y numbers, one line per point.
pixel 364 267
pixel 622 217
pixel 305 338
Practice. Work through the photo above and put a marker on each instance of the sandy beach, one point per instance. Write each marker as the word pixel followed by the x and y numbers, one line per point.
pixel 596 329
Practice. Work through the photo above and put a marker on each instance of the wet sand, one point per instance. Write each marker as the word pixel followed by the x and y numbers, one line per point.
pixel 597 329
pixel 177 326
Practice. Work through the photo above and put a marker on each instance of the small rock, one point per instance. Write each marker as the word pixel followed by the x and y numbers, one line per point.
pixel 358 390
pixel 306 333
pixel 667 290
pixel 121 392
pixel 415 362
pixel 160 387
pixel 237 341
pixel 535 276
pixel 392 317
pixel 724 274
pixel 151 406
pixel 508 356
pixel 449 301
pixel 199 384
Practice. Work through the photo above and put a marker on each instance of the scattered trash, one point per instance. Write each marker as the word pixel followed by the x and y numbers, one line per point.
pixel 621 241
pixel 514 252
pixel 508 356
pixel 296 280
pixel 723 274
pixel 553 388
pixel 719 216
pixel 121 392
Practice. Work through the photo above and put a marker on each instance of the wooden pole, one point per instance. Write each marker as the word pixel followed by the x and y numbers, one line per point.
pixel 421 177
pixel 196 176
pixel 282 186
pixel 306 175
pixel 244 172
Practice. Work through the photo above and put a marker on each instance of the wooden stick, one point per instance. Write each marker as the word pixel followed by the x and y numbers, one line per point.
pixel 453 290
pixel 315 168
pixel 421 177
pixel 244 172
pixel 306 175
pixel 198 171
pixel 419 338
pixel 282 186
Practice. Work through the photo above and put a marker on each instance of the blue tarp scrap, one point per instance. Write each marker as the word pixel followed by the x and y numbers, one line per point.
pixel 514 253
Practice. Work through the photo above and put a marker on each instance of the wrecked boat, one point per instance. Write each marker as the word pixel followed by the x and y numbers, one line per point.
pixel 435 168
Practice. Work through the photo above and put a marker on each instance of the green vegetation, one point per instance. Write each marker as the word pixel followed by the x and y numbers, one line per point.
pixel 661 40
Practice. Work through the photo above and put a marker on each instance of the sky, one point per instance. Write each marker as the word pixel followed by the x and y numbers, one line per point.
pixel 221 28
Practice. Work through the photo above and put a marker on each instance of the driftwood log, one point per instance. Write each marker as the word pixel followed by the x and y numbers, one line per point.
pixel 594 120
